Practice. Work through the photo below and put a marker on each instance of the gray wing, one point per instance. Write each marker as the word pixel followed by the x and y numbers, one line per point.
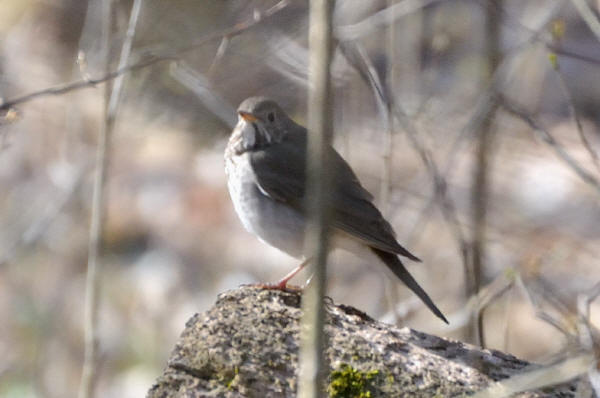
pixel 281 174
pixel 280 170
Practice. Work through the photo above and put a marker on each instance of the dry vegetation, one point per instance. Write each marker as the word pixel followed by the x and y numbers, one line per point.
pixel 171 241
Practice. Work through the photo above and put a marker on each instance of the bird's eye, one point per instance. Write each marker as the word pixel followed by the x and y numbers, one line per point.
pixel 271 117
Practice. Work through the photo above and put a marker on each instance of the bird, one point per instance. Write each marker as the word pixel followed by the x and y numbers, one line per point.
pixel 265 163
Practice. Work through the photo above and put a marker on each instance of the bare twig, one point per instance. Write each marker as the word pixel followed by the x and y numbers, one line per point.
pixel 364 66
pixel 571 105
pixel 538 378
pixel 219 55
pixel 572 54
pixel 535 303
pixel 387 16
pixel 509 305
pixel 503 74
pixel 511 22
pixel 575 359
pixel 586 339
pixel 387 147
pixel 359 60
pixel 85 82
pixel 89 373
pixel 439 183
pixel 480 301
pixel 201 86
pixel 388 121
pixel 588 335
pixel 312 360
pixel 147 61
pixel 588 16
pixel 481 184
pixel 578 358
pixel 546 137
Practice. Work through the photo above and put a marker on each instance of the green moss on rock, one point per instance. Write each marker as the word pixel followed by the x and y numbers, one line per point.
pixel 348 382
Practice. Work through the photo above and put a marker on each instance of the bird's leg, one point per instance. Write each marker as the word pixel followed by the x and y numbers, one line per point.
pixel 282 284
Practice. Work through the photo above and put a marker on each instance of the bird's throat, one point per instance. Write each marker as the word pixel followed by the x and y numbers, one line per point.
pixel 248 136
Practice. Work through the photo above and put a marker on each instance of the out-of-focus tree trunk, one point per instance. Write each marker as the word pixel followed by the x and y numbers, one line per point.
pixel 320 111
pixel 481 171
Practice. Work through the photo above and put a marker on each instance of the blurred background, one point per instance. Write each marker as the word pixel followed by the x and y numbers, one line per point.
pixel 475 124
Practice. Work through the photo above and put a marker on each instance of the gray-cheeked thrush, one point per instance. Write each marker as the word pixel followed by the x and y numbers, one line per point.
pixel 265 162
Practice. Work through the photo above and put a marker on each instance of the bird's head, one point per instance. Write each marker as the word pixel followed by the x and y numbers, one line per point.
pixel 261 122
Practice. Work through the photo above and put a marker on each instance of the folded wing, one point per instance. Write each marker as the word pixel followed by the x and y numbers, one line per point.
pixel 281 174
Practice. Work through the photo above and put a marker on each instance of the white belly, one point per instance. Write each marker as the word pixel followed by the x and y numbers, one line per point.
pixel 273 222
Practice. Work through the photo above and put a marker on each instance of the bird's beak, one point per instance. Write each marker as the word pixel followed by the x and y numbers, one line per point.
pixel 248 116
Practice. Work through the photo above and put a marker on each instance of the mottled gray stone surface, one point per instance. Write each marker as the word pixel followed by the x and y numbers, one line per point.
pixel 247 346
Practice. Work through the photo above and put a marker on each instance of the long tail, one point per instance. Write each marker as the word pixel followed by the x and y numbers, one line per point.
pixel 392 261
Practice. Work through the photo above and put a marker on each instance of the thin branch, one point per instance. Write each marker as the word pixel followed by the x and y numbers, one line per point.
pixel 480 301
pixel 571 105
pixel 89 372
pixel 387 147
pixel 503 75
pixel 359 58
pixel 83 83
pixel 219 55
pixel 584 328
pixel 406 7
pixel 588 16
pixel 588 335
pixel 387 16
pixel 574 55
pixel 481 176
pixel 439 183
pixel 506 322
pixel 582 340
pixel 593 294
pixel 540 313
pixel 539 378
pixel 363 65
pixel 546 137
pixel 149 60
pixel 511 22
pixel 115 97
pixel 200 85
pixel 312 360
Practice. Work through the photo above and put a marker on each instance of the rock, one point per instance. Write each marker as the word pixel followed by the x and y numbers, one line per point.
pixel 247 346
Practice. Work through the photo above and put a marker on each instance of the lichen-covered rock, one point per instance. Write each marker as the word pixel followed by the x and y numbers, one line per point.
pixel 247 346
